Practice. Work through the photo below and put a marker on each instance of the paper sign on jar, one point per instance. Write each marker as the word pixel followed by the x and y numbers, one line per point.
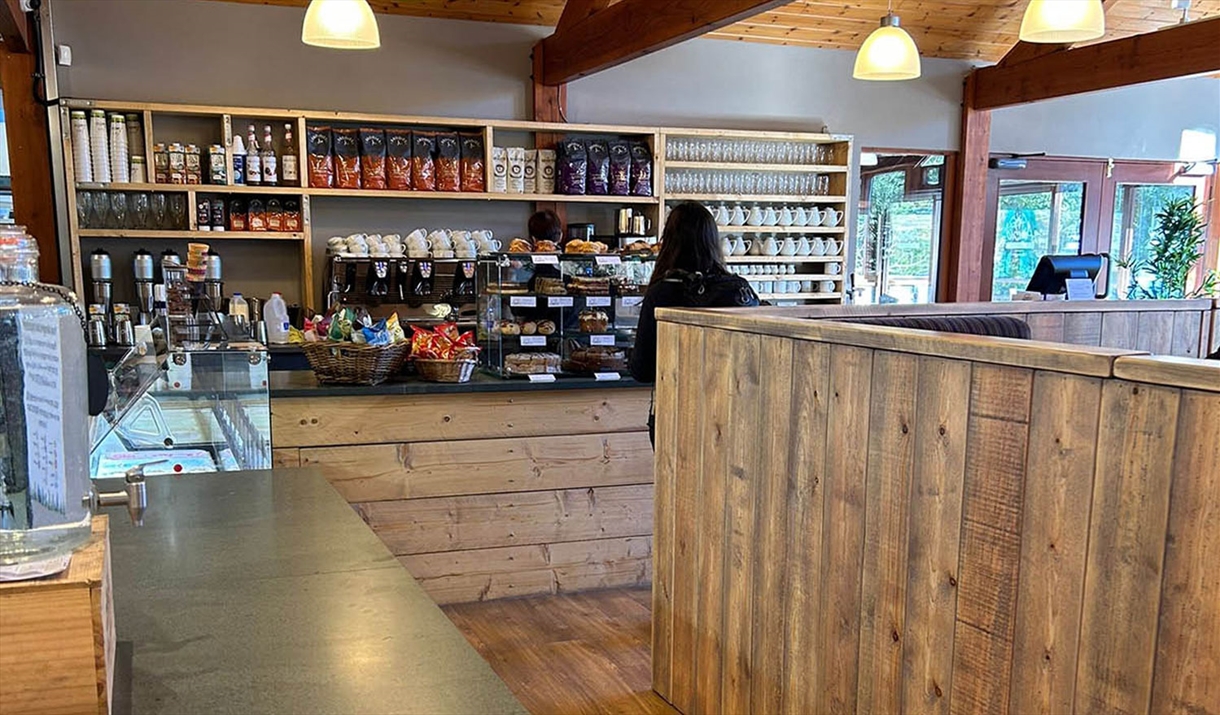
pixel 533 341
pixel 603 340
pixel 598 301
pixel 542 378
pixel 523 301
pixel 559 301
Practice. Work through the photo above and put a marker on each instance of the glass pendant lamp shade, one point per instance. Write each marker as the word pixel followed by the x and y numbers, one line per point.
pixel 340 25
pixel 1063 21
pixel 888 53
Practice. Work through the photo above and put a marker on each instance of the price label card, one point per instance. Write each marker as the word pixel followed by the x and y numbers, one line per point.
pixel 608 260
pixel 607 376
pixel 630 301
pixel 603 340
pixel 598 301
pixel 546 259
pixel 533 341
pixel 559 301
pixel 523 301
pixel 542 378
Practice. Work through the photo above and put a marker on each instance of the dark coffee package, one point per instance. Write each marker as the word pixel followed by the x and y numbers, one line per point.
pixel 347 158
pixel 398 159
pixel 474 176
pixel 321 160
pixel 423 165
pixel 573 167
pixel 641 170
pixel 620 168
pixel 448 162
pixel 599 168
pixel 372 157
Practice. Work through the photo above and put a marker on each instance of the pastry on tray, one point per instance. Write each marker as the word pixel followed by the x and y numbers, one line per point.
pixel 596 359
pixel 546 327
pixel 590 247
pixel 547 285
pixel 520 245
pixel 531 363
pixel 590 285
pixel 593 321
pixel 638 247
pixel 507 327
pixel 546 247
pixel 529 327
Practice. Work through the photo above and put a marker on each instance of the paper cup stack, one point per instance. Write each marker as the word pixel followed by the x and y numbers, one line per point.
pixel 196 261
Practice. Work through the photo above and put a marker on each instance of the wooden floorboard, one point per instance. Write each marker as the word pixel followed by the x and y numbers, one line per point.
pixel 569 654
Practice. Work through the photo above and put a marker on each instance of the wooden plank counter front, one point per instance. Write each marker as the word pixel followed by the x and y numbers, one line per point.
pixel 858 519
pixel 488 494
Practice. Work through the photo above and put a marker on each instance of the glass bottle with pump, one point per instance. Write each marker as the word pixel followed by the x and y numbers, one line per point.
pixel 270 169
pixel 288 160
pixel 44 411
pixel 254 165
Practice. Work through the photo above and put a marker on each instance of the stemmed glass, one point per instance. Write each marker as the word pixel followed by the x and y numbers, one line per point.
pixel 159 209
pixel 118 209
pixel 84 209
pixel 177 210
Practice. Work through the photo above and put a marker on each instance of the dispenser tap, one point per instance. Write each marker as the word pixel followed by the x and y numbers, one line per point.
pixel 134 494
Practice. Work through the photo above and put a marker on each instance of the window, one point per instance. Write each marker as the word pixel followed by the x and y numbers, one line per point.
pixel 1135 209
pixel 898 229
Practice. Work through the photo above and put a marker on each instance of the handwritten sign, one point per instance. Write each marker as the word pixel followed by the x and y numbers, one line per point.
pixel 608 260
pixel 523 301
pixel 546 260
pixel 630 301
pixel 44 412
pixel 542 378
pixel 533 341
pixel 559 301
pixel 607 376
pixel 603 340
pixel 598 301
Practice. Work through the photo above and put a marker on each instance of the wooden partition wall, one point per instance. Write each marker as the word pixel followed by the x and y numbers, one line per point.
pixel 856 519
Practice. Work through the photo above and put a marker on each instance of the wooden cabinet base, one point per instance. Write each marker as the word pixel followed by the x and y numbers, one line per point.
pixel 57 636
pixel 490 495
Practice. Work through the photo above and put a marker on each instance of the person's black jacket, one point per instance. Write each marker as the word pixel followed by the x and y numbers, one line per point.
pixel 681 289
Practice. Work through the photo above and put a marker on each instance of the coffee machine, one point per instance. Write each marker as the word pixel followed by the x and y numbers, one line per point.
pixel 101 279
pixel 143 271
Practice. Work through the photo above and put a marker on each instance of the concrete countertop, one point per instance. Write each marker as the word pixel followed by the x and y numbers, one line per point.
pixel 263 592
pixel 302 383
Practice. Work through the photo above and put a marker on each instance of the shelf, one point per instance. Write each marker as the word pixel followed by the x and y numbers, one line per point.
pixel 733 166
pixel 147 233
pixel 198 188
pixel 480 196
pixel 758 198
pixel 793 277
pixel 784 259
pixel 807 230
pixel 800 296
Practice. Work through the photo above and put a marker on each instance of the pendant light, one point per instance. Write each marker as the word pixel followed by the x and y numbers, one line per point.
pixel 1063 21
pixel 888 53
pixel 340 25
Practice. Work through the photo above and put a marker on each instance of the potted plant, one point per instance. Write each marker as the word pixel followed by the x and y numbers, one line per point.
pixel 1176 246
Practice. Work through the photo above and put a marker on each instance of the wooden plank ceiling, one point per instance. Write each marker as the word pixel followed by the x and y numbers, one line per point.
pixel 958 29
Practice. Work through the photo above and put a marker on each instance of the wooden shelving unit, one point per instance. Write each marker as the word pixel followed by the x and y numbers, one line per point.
pixel 799 230
pixel 230 120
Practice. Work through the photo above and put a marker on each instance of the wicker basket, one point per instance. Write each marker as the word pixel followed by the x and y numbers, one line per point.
pixel 351 364
pixel 445 370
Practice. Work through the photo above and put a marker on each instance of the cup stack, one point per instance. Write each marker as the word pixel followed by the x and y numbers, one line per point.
pixel 82 159
pixel 99 143
pixel 120 167
pixel 196 261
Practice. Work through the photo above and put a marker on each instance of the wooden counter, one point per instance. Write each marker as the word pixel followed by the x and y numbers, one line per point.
pixel 859 519
pixel 488 494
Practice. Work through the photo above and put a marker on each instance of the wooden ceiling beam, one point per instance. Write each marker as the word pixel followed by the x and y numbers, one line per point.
pixel 1179 51
pixel 15 26
pixel 575 11
pixel 633 28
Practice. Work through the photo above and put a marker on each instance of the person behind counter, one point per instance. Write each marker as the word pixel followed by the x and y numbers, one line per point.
pixel 689 273
pixel 545 226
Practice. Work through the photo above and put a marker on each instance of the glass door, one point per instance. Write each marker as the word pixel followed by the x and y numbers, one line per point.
pixel 898 228
pixel 1033 219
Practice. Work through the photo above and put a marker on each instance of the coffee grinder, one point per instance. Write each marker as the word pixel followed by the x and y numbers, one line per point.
pixel 213 280
pixel 101 280
pixel 143 271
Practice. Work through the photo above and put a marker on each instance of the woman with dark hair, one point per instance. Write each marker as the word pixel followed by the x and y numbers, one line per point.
pixel 689 273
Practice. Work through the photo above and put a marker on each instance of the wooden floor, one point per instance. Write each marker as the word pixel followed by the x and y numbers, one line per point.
pixel 568 654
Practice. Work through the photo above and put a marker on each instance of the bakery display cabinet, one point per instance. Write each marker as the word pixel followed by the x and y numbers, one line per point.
pixel 541 315
pixel 187 411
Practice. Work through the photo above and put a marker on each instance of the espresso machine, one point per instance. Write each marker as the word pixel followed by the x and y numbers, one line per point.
pixel 144 273
pixel 101 277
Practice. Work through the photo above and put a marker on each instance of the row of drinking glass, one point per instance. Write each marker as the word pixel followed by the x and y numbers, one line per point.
pixel 746 182
pixel 131 210
pixel 746 151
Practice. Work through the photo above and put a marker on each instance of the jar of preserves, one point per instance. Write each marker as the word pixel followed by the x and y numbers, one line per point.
pixel 44 411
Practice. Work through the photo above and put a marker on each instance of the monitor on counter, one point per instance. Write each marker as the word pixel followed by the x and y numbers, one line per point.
pixel 1071 274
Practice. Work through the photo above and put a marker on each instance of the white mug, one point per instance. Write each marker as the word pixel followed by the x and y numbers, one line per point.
pixel 827 286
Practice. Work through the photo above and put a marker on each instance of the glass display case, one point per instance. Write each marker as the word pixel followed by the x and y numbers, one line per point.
pixel 185 412
pixel 542 315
